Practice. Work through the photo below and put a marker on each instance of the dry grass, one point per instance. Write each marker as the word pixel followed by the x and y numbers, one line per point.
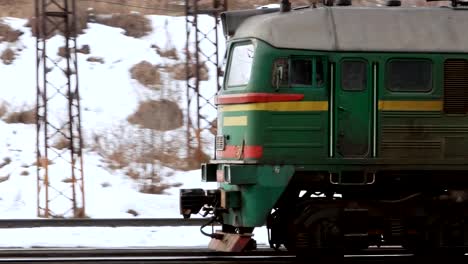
pixel 6 161
pixel 8 56
pixel 132 212
pixel 4 178
pixel 155 188
pixel 135 25
pixel 96 59
pixel 43 162
pixel 8 34
pixel 179 71
pixel 16 8
pixel 170 53
pixel 132 173
pixel 85 49
pixel 61 143
pixel 162 115
pixel 3 109
pixel 146 74
pixel 120 158
pixel 21 117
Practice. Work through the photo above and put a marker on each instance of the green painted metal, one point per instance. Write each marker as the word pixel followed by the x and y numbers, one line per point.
pixel 240 175
pixel 258 199
pixel 353 108
pixel 300 140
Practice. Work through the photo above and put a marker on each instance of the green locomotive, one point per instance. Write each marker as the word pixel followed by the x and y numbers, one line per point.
pixel 342 127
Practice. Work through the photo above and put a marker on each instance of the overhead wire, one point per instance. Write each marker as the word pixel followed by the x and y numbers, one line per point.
pixel 133 5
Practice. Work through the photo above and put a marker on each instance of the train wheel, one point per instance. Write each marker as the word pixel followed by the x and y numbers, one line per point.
pixel 323 237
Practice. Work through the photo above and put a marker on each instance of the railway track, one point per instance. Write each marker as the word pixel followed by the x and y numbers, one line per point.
pixel 200 256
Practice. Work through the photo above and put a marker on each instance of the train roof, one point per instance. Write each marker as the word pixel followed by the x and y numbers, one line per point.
pixel 386 29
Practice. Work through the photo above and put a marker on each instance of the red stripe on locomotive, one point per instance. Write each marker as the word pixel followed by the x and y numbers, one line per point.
pixel 256 98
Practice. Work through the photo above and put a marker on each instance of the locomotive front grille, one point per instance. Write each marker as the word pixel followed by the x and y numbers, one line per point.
pixel 220 143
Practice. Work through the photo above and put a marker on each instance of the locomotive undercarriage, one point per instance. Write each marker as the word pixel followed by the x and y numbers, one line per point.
pixel 423 212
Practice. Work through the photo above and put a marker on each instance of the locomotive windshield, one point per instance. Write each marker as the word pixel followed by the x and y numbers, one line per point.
pixel 240 64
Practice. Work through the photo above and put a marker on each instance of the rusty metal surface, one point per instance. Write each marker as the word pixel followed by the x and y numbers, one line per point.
pixel 58 17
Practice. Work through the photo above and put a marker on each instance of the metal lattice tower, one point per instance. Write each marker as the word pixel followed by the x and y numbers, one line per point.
pixel 202 50
pixel 60 189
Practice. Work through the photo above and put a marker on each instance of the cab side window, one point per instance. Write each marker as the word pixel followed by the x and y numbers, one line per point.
pixel 354 75
pixel 409 75
pixel 280 73
pixel 302 72
pixel 319 72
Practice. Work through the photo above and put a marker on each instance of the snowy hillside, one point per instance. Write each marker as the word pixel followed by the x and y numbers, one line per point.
pixel 109 97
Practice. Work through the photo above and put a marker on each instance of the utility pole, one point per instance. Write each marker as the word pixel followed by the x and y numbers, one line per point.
pixel 202 50
pixel 60 178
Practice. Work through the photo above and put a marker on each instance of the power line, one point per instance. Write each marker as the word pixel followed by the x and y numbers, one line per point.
pixel 135 6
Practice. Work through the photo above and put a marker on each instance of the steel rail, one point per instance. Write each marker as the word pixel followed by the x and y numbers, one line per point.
pixel 200 256
pixel 101 222
pixel 140 255
pixel 159 260
pixel 134 252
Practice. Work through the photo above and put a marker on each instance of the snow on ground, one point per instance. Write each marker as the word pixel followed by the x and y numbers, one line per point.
pixel 109 96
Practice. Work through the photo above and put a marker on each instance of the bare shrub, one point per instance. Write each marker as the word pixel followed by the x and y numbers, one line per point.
pixel 67 180
pixel 155 188
pixel 8 56
pixel 21 117
pixel 170 157
pixel 146 74
pixel 85 49
pixel 96 59
pixel 6 161
pixel 162 115
pixel 61 143
pixel 179 71
pixel 119 158
pixel 132 173
pixel 170 53
pixel 8 34
pixel 4 178
pixel 132 212
pixel 3 109
pixel 43 162
pixel 134 24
